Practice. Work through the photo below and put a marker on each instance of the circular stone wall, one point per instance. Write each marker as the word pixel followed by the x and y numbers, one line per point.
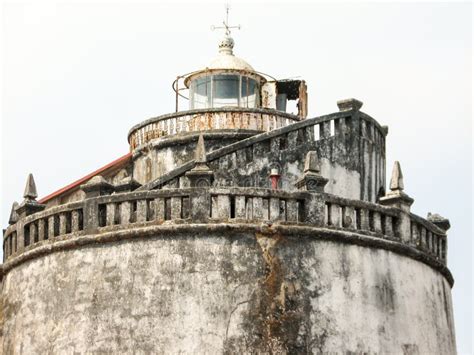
pixel 225 292
pixel 168 153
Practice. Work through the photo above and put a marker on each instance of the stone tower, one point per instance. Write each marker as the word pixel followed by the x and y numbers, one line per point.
pixel 231 227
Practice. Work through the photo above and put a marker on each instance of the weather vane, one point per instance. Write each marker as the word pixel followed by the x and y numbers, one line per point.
pixel 225 23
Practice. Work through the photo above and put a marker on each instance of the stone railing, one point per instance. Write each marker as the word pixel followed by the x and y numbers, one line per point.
pixel 428 238
pixel 386 222
pixel 361 216
pixel 48 224
pixel 263 120
pixel 305 135
pixel 127 211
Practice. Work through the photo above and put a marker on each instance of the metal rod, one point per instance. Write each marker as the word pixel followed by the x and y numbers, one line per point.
pixel 177 97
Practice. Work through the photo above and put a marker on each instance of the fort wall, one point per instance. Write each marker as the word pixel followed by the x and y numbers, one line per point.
pixel 223 289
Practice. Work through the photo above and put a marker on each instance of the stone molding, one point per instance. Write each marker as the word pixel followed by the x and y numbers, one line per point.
pixel 129 212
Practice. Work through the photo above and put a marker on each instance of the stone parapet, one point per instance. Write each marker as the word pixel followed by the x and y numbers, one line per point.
pixel 128 212
pixel 260 120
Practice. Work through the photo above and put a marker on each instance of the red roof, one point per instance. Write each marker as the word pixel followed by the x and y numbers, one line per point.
pixel 82 180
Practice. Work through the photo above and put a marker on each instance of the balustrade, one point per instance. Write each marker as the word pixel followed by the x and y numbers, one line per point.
pixel 203 120
pixel 222 205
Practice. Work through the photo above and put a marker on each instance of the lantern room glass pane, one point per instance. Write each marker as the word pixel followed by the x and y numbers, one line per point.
pixel 249 92
pixel 201 93
pixel 226 90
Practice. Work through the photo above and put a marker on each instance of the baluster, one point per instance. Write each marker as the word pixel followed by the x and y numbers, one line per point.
pixel 110 214
pixel 265 209
pixel 240 207
pixel 62 223
pixel 415 234
pixel 389 226
pixel 340 126
pixel 430 241
pixel 325 129
pixel 349 220
pixel 423 240
pixel 41 229
pixel 435 244
pixel 51 227
pixel 10 244
pixel 223 206
pixel 292 210
pixel 214 207
pixel 141 211
pixel 249 207
pixel 5 250
pixel 377 223
pixel 15 242
pixel 125 212
pixel 75 221
pixel 160 209
pixel 274 209
pixel 257 208
pixel 443 251
pixel 364 219
pixel 335 215
pixel 176 207
pixel 33 234
pixel 266 123
pixel 309 133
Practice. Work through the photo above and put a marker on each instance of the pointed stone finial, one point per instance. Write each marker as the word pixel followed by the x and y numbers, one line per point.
pixel 396 182
pixel 30 193
pixel 29 204
pixel 312 180
pixel 396 197
pixel 311 163
pixel 200 152
pixel 14 214
pixel 200 175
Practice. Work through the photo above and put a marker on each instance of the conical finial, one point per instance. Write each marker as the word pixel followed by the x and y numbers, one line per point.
pixel 311 163
pixel 311 179
pixel 396 183
pixel 200 153
pixel 396 197
pixel 30 193
pixel 14 214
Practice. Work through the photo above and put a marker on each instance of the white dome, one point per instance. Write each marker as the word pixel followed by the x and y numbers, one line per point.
pixel 229 61
pixel 226 58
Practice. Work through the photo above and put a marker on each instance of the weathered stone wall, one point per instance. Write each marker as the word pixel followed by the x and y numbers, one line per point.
pixel 350 145
pixel 232 292
pixel 171 152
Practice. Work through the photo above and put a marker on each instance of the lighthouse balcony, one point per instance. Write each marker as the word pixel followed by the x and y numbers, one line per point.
pixel 255 120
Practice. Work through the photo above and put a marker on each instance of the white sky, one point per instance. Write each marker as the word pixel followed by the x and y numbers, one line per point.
pixel 77 76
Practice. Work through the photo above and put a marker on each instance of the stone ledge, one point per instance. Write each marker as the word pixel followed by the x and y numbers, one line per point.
pixel 211 110
pixel 167 229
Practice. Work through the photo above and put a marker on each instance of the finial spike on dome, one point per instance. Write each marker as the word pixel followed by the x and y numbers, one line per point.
pixel 30 189
pixel 227 43
pixel 396 183
pixel 200 153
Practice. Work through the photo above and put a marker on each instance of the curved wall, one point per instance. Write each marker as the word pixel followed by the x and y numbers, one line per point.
pixel 169 153
pixel 216 292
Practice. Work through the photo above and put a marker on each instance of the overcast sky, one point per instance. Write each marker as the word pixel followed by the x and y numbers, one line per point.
pixel 77 76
